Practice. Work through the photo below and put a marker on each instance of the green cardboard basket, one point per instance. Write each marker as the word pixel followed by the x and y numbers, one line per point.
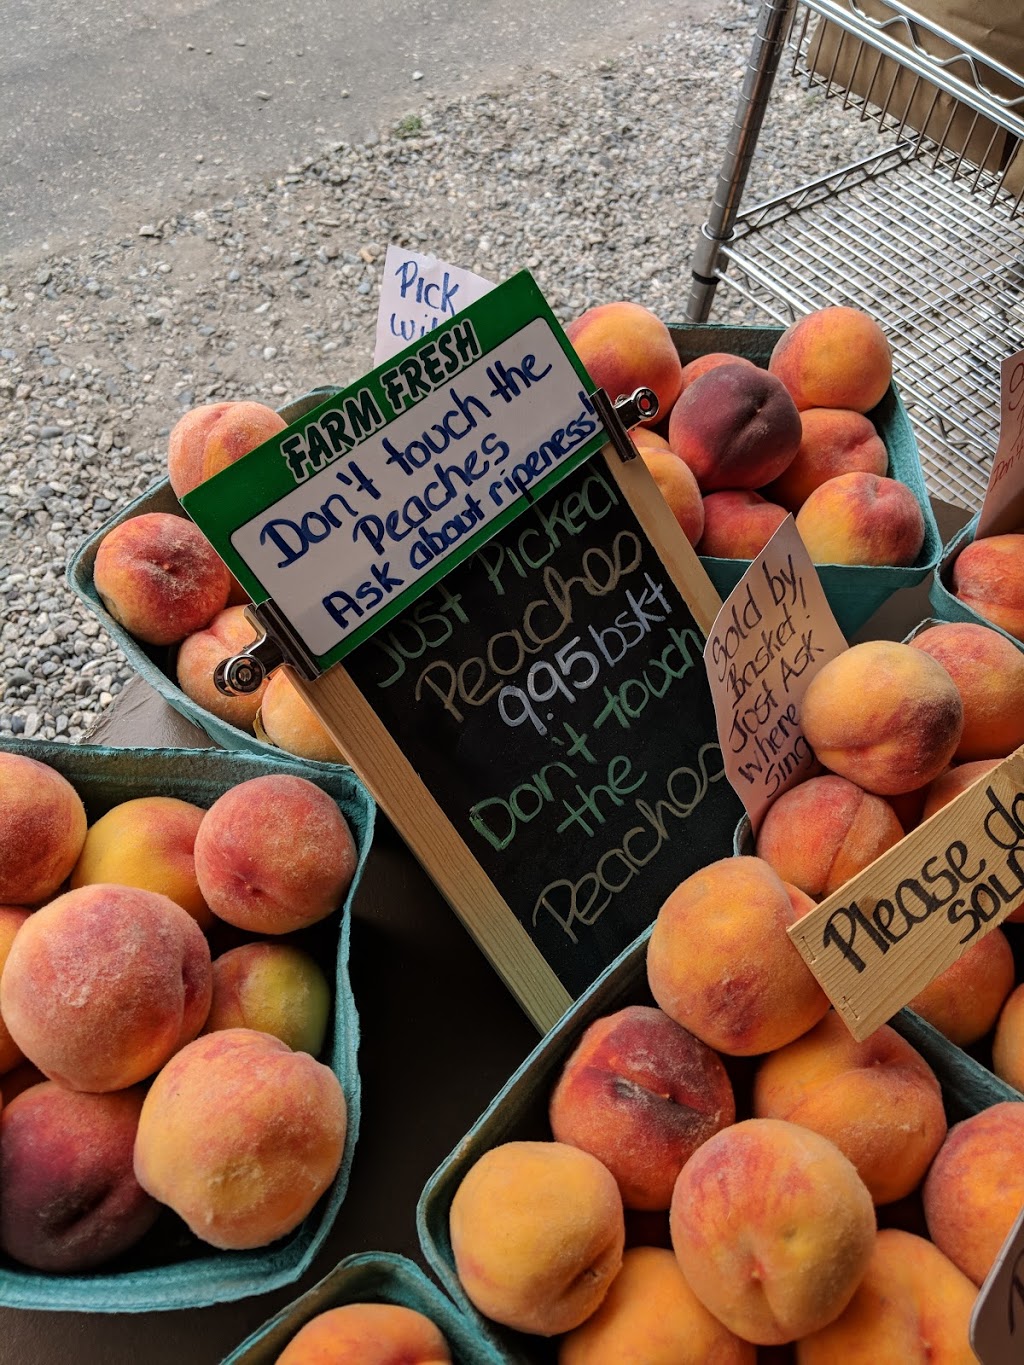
pixel 854 591
pixel 170 1268
pixel 949 607
pixel 373 1277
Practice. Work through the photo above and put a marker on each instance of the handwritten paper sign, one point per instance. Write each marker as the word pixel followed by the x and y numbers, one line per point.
pixel 417 294
pixel 997 1323
pixel 1003 508
pixel 890 930
pixel 774 633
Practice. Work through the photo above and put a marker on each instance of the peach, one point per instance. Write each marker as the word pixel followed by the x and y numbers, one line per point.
pixel 160 577
pixel 209 438
pixel 833 441
pixel 736 427
pixel 822 832
pixel 290 724
pixel 42 830
pixel 952 783
pixel 71 1200
pixel 105 983
pixel 651 1316
pixel 988 577
pixel 23 1077
pixel 878 1101
pixel 694 369
pixel 273 988
pixel 149 843
pixel 1008 1043
pixel 862 519
pixel 641 1094
pixel 975 1188
pixel 679 489
pixel 834 358
pixel 367 1334
pixel 227 634
pixel 537 1234
pixel 963 1002
pixel 240 1136
pixel 913 1306
pixel 624 347
pixel 274 854
pixel 773 1229
pixel 719 961
pixel 12 917
pixel 646 439
pixel 738 524
pixel 989 675
pixel 883 715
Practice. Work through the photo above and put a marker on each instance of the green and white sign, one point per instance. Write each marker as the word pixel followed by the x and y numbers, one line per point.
pixel 351 513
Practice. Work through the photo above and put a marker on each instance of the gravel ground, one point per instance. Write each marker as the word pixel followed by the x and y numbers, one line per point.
pixel 595 177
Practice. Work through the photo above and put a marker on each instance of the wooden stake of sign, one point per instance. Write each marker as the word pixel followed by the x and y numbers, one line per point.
pixel 997 1322
pixel 879 940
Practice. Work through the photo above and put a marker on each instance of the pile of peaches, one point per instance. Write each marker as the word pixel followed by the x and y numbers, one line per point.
pixel 744 447
pixel 136 1069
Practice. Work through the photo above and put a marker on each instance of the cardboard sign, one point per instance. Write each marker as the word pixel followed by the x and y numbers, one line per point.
pixel 774 633
pixel 351 513
pixel 891 929
pixel 417 294
pixel 1003 508
pixel 997 1322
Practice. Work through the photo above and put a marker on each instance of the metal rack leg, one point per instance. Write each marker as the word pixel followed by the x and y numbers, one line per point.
pixel 758 80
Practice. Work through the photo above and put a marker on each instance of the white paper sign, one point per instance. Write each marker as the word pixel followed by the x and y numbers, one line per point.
pixel 417 294
pixel 1003 508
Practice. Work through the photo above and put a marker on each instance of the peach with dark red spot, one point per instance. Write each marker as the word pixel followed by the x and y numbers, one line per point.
pixel 736 427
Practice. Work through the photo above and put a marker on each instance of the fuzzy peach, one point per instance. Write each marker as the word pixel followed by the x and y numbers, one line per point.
pixel 289 723
pixel 738 524
pixel 71 1200
pixel 833 441
pixel 537 1234
pixel 210 437
pixel 367 1334
pixel 12 917
pixel 694 369
pixel 646 439
pixel 104 984
pixel 274 854
pixel 641 1094
pixel 953 782
pixel 42 829
pixel 273 988
pixel 834 358
pixel 963 1002
pixel 149 843
pixel 773 1229
pixel 862 519
pixel 198 656
pixel 883 715
pixel 651 1316
pixel 878 1101
pixel 240 1136
pixel 736 427
pixel 679 489
pixel 989 675
pixel 975 1188
pixel 988 576
pixel 624 346
pixel 719 961
pixel 1008 1043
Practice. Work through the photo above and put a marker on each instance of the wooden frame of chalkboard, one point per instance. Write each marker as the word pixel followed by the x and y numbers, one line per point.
pixel 492 760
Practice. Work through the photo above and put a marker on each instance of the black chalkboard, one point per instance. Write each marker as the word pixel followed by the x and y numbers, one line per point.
pixel 551 694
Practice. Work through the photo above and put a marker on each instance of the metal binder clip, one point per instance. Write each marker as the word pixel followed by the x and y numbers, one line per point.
pixel 628 411
pixel 278 644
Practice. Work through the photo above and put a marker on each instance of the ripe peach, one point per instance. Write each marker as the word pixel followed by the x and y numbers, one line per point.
pixel 367 1334
pixel 651 1316
pixel 975 1188
pixel 646 439
pixel 160 577
pixel 641 1094
pixel 274 854
pixel 273 988
pixel 953 782
pixel 884 715
pixel 1008 1044
pixel 913 1306
pixel 963 1002
pixel 42 829
pixel 736 427
pixel 290 724
pixel 241 1136
pixel 694 369
pixel 988 576
pixel 209 438
pixel 862 519
pixel 228 633
pixel 105 983
pixel 12 917
pixel 878 1101
pixel 738 524
pixel 679 489
pixel 824 831
pixel 624 346
pixel 834 358
pixel 719 961
pixel 773 1229
pixel 537 1234
pixel 989 675
pixel 833 441
pixel 149 843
